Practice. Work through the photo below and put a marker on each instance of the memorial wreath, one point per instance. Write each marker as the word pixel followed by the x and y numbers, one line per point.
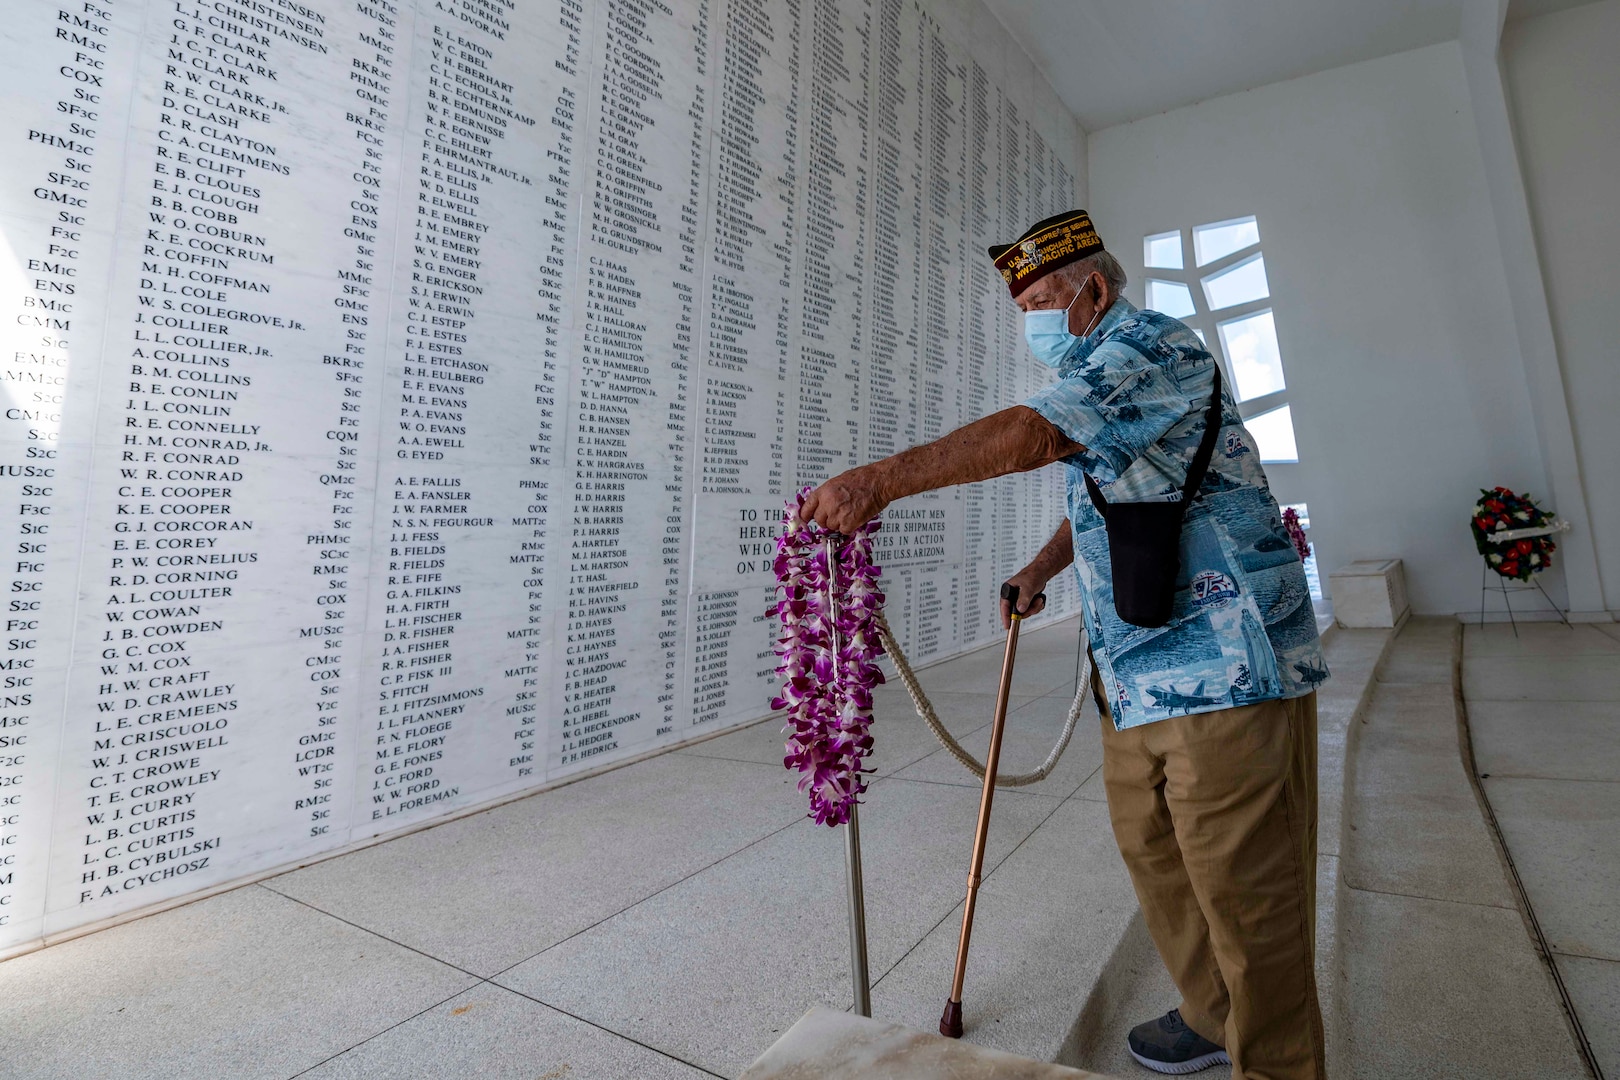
pixel 1499 517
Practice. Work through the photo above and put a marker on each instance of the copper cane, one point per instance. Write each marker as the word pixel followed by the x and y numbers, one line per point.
pixel 950 1024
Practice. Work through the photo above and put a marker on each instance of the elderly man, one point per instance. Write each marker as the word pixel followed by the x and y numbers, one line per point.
pixel 1201 626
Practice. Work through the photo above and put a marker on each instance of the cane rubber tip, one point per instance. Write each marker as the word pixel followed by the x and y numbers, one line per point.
pixel 950 1024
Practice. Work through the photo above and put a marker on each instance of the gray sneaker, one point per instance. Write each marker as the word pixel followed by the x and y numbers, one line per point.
pixel 1168 1045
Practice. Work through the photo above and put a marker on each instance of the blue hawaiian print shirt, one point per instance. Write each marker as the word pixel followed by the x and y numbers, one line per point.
pixel 1134 393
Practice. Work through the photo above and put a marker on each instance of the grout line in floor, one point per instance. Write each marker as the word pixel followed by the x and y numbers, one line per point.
pixel 1540 659
pixel 973 787
pixel 553 945
pixel 734 760
pixel 1541 701
pixel 1556 951
pixel 694 751
pixel 890 775
pixel 778 765
pixel 958 905
pixel 1557 779
pixel 913 948
pixel 610 1031
pixel 644 899
pixel 387 1029
pixel 1075 794
pixel 369 930
pixel 1419 896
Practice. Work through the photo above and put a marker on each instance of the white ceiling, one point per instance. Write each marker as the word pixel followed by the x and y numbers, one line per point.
pixel 1116 60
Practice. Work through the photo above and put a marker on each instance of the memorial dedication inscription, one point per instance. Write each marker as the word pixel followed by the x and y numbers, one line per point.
pixel 400 396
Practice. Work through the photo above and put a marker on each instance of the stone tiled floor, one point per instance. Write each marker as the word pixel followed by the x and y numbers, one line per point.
pixel 667 919
pixel 1544 713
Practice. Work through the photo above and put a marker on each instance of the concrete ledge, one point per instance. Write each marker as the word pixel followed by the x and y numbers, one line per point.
pixel 1369 593
pixel 828 1045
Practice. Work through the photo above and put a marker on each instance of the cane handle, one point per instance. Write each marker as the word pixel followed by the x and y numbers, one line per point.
pixel 1009 593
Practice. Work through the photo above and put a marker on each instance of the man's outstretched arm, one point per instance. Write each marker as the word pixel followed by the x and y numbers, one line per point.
pixel 1012 440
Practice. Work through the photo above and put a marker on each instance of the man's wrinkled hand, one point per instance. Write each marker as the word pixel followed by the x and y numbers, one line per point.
pixel 1030 601
pixel 847 501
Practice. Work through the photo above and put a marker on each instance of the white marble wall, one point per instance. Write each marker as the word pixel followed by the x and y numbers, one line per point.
pixel 400 397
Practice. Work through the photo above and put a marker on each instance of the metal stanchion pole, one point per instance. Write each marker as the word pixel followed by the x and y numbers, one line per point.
pixel 857 915
pixel 859 974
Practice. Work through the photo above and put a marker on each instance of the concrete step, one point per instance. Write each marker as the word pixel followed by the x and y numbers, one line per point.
pixel 828 1045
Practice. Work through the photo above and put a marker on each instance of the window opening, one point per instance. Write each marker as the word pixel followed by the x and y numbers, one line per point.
pixel 1162 251
pixel 1252 355
pixel 1219 239
pixel 1273 432
pixel 1241 283
pixel 1171 297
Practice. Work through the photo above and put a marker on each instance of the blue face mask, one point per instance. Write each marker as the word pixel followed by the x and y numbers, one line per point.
pixel 1047 332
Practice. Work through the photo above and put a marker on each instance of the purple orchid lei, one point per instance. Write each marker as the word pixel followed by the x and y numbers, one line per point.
pixel 828 652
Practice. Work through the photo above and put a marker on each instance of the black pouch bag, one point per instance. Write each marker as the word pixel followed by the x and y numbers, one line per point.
pixel 1144 539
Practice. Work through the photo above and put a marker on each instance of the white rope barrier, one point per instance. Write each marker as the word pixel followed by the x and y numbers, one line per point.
pixel 925 709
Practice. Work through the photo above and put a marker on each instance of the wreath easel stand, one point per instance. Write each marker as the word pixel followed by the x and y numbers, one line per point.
pixel 1505 536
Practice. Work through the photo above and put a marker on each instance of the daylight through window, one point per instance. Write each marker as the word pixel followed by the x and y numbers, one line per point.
pixel 1229 280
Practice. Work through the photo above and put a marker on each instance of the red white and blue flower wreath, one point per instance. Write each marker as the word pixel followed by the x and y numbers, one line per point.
pixel 1498 517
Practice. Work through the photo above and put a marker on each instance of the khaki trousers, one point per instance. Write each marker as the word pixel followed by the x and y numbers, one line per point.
pixel 1215 814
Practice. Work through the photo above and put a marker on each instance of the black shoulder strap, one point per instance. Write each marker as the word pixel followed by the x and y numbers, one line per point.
pixel 1200 461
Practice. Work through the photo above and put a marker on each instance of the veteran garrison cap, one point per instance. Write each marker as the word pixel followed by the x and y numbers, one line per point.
pixel 1053 242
